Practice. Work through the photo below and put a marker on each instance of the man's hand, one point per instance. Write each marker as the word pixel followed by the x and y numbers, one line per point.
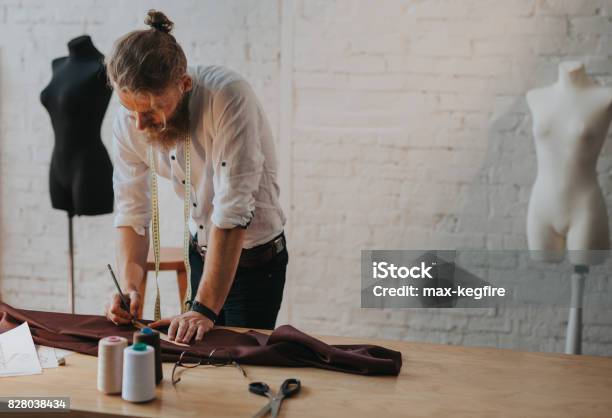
pixel 116 314
pixel 183 327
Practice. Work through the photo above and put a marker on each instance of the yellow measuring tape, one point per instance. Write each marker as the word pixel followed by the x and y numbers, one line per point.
pixel 155 225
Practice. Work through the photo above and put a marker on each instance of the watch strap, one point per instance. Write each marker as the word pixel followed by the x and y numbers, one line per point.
pixel 204 310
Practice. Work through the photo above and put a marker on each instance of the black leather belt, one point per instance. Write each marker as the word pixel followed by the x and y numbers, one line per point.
pixel 251 257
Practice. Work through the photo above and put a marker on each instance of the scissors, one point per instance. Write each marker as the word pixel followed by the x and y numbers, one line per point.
pixel 289 388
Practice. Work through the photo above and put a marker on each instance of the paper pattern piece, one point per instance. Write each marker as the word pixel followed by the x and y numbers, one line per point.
pixel 17 352
pixel 50 357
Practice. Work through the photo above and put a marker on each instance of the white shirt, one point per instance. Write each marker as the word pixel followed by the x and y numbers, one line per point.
pixel 233 162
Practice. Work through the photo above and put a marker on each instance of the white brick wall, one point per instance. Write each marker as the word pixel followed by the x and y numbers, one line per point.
pixel 405 126
pixel 242 35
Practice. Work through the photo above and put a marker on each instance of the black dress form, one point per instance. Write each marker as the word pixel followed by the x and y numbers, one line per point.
pixel 81 173
pixel 80 180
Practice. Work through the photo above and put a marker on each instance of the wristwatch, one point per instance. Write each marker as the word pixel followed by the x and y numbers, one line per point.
pixel 204 310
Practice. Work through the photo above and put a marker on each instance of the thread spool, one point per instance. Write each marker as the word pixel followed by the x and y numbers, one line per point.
pixel 151 337
pixel 110 364
pixel 138 373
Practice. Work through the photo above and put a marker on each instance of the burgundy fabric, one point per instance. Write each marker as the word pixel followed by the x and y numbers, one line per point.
pixel 286 346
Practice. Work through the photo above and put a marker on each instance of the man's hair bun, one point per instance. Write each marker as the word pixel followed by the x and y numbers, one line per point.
pixel 159 21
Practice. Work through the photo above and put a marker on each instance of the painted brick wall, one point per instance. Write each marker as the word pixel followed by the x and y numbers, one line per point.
pixel 401 124
pixel 242 35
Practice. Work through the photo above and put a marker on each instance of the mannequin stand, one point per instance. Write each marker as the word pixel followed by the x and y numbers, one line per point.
pixel 70 265
pixel 573 339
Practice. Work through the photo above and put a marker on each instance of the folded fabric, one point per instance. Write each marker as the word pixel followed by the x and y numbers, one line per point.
pixel 286 346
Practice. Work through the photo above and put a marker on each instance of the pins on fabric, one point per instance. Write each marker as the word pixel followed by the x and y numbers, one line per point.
pixel 138 373
pixel 151 337
pixel 110 364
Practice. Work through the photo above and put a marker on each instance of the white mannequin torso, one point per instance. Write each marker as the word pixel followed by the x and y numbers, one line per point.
pixel 566 208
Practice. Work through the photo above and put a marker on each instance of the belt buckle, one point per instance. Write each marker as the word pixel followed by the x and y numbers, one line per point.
pixel 201 250
pixel 278 245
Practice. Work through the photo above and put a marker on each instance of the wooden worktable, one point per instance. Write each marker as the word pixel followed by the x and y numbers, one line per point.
pixel 436 381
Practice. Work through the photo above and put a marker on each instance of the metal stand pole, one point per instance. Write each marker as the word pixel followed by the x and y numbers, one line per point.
pixel 70 265
pixel 573 339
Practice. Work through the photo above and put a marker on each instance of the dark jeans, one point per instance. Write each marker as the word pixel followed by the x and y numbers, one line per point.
pixel 256 293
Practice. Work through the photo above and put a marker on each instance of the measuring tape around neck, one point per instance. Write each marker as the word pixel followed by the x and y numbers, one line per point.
pixel 155 226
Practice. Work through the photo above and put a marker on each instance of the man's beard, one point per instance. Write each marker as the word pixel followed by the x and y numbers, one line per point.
pixel 177 127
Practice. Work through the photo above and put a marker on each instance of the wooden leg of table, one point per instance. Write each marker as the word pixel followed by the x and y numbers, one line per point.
pixel 181 278
pixel 142 291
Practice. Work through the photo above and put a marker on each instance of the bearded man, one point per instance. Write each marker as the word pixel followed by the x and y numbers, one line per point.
pixel 204 129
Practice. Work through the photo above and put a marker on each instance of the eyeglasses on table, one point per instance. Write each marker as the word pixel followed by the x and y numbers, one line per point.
pixel 190 360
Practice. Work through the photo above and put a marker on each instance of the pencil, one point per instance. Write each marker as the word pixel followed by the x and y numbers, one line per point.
pixel 124 304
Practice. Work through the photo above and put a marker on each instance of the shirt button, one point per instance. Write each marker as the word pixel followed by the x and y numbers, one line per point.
pixel 183 181
pixel 201 226
pixel 195 206
pixel 173 157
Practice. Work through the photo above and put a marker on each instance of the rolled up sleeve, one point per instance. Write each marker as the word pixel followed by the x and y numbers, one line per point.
pixel 237 155
pixel 130 181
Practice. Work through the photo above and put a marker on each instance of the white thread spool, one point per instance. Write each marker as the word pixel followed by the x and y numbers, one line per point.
pixel 110 364
pixel 138 373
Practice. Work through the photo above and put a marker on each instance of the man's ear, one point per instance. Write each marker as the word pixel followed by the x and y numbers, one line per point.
pixel 186 82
